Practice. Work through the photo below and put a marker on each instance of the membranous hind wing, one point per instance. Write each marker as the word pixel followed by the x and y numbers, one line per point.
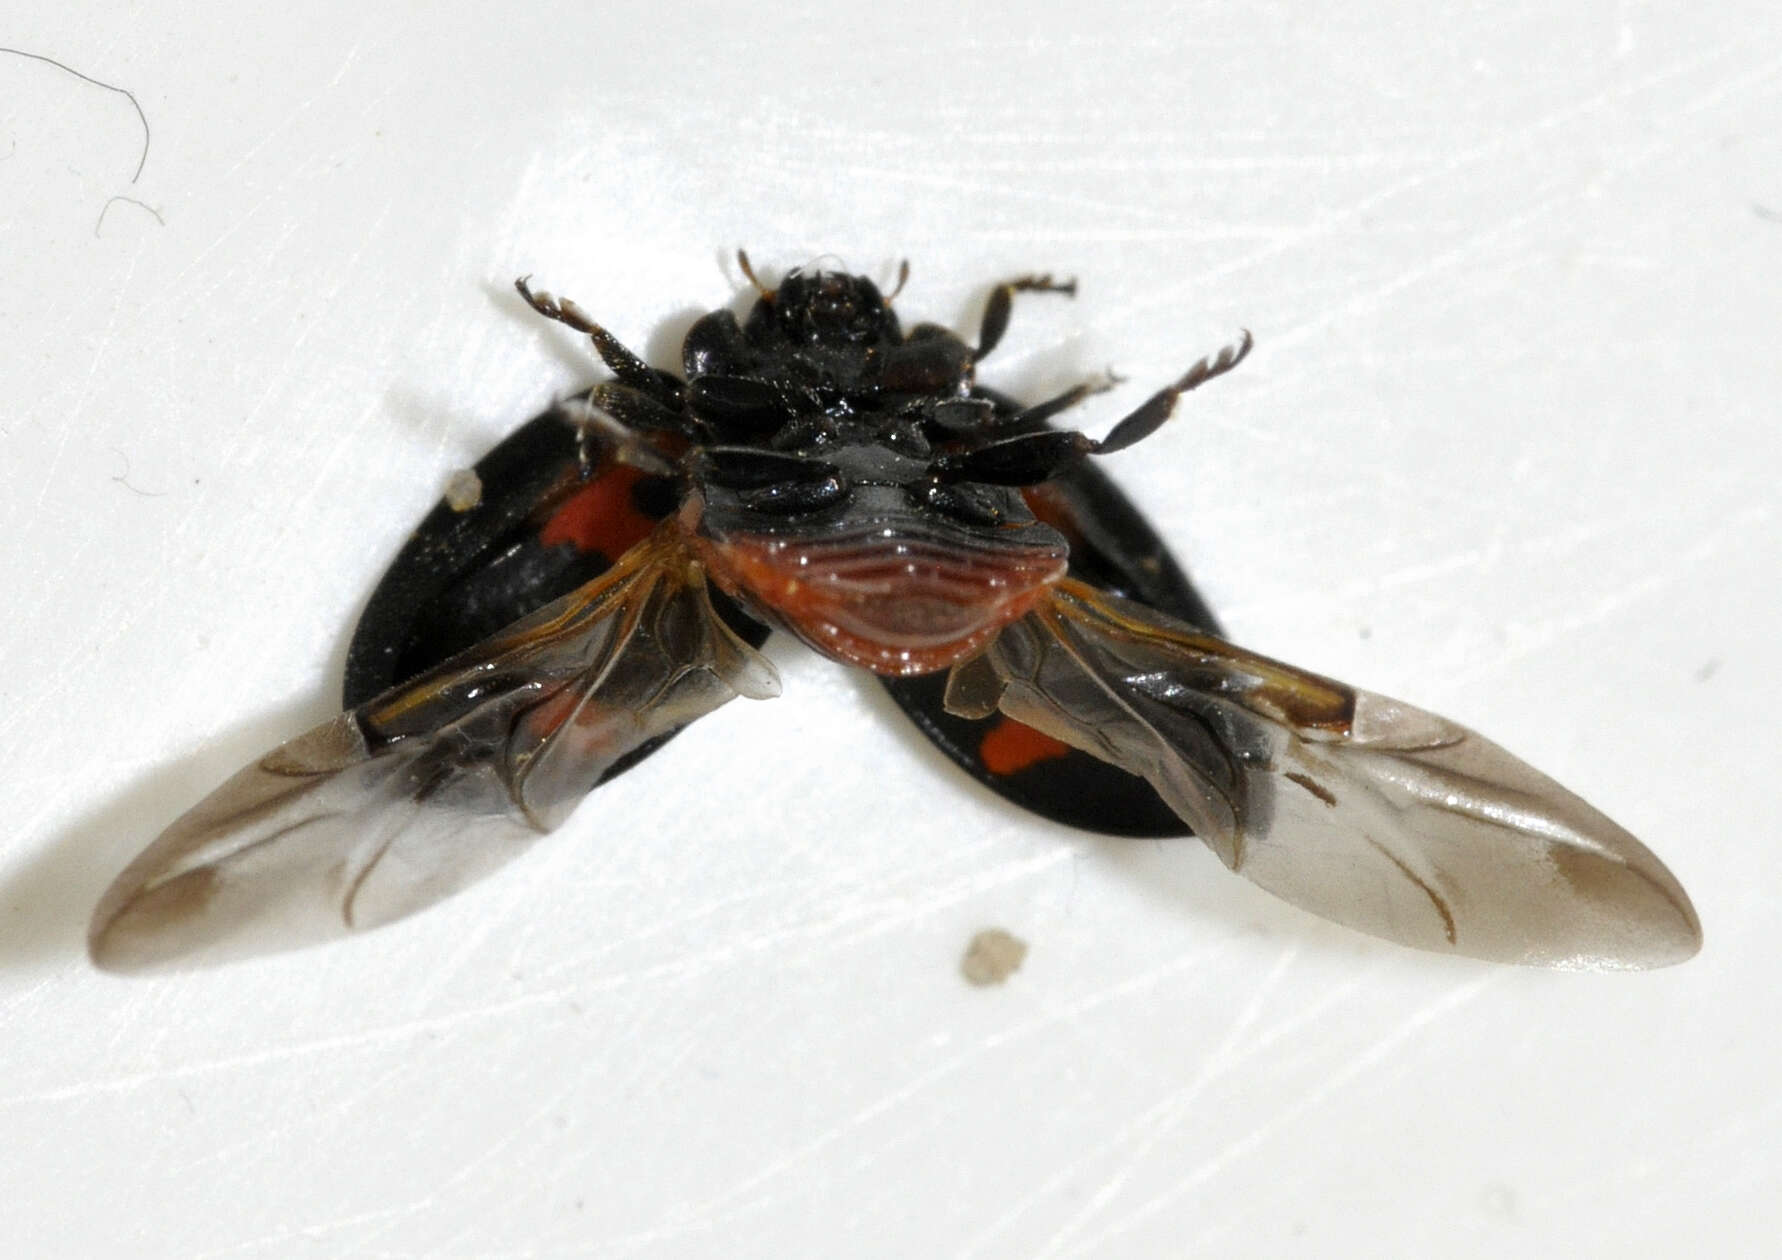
pixel 1358 808
pixel 1112 548
pixel 415 794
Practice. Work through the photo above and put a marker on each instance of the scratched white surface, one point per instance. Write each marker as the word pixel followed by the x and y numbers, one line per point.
pixel 1508 447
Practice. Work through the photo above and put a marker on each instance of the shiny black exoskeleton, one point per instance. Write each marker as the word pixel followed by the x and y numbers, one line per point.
pixel 815 418
pixel 821 472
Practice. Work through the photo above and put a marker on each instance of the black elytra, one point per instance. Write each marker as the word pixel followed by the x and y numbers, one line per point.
pixel 816 470
pixel 813 365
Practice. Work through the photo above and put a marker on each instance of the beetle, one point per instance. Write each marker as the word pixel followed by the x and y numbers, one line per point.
pixel 611 570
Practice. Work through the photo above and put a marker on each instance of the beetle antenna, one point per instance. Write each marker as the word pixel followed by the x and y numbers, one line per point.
pixel 903 278
pixel 742 260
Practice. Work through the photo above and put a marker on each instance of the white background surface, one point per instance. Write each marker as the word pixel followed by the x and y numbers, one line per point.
pixel 1507 448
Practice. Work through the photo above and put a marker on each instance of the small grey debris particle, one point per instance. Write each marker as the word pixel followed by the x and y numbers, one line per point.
pixel 1499 1200
pixel 463 490
pixel 992 957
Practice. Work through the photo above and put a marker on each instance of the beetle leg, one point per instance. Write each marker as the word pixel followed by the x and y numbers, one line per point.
pixel 1002 297
pixel 1151 413
pixel 623 364
pixel 605 417
pixel 1039 413
pixel 637 409
pixel 1023 460
pixel 1026 459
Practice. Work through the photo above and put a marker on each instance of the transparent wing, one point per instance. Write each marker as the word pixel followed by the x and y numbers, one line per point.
pixel 1358 808
pixel 403 801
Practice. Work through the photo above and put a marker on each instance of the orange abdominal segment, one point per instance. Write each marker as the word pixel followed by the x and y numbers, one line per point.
pixel 890 602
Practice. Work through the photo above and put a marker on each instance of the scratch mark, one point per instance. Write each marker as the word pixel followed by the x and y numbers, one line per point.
pixel 1326 226
pixel 1210 1167
pixel 364 1040
pixel 126 93
pixel 970 187
pixel 1692 561
pixel 86 390
pixel 340 1110
pixel 1756 77
pixel 704 1217
pixel 1764 212
pixel 309 1233
pixel 701 1215
pixel 132 201
pixel 1434 265
pixel 848 925
pixel 1163 1117
pixel 302 108
pixel 519 1132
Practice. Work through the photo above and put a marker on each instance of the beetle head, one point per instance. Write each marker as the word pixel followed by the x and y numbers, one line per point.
pixel 829 309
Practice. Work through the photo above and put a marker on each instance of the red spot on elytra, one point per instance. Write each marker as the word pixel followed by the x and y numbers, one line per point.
pixel 1010 747
pixel 602 516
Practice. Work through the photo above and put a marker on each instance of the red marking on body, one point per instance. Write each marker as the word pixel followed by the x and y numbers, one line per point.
pixel 1010 747
pixel 1050 507
pixel 577 724
pixel 544 718
pixel 602 516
